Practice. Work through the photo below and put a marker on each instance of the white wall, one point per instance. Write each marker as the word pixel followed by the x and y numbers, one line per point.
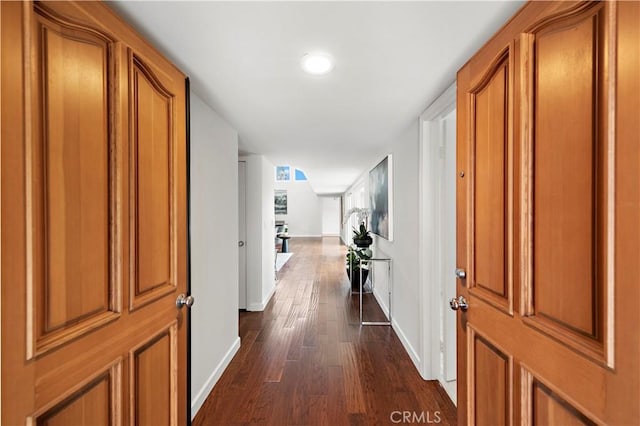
pixel 404 247
pixel 304 209
pixel 214 258
pixel 260 241
pixel 268 282
pixel 331 220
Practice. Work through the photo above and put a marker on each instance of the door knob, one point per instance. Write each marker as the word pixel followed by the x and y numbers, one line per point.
pixel 460 273
pixel 183 300
pixel 459 303
pixel 240 243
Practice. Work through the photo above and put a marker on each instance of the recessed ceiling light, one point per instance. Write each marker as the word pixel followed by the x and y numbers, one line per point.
pixel 317 63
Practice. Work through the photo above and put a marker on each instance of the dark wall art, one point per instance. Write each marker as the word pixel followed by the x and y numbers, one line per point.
pixel 380 199
pixel 280 201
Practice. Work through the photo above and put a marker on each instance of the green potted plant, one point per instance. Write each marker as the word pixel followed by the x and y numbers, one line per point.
pixel 361 237
pixel 354 255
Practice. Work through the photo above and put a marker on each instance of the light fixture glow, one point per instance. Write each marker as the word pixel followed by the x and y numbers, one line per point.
pixel 317 63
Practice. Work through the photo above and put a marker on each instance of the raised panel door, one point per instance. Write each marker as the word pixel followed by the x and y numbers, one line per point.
pixel 560 212
pixel 93 220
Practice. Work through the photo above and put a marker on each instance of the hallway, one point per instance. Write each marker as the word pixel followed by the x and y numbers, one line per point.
pixel 305 360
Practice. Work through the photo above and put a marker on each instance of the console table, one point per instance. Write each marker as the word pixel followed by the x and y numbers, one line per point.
pixel 389 262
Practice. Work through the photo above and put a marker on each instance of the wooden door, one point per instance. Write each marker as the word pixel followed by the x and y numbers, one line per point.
pixel 242 234
pixel 93 223
pixel 548 227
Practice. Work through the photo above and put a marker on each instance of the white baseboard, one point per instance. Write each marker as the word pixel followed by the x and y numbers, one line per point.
pixel 330 235
pixel 413 354
pixel 305 236
pixel 258 307
pixel 450 388
pixel 201 396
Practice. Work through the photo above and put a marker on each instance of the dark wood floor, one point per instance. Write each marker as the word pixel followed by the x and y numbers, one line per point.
pixel 305 360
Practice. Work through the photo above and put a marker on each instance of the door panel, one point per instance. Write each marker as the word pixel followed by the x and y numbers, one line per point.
pixel 96 402
pixel 153 397
pixel 546 406
pixel 153 185
pixel 491 133
pixel 564 76
pixel 73 247
pixel 490 389
pixel 93 197
pixel 571 231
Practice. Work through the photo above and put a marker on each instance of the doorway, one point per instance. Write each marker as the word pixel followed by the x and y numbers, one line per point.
pixel 438 240
pixel 330 216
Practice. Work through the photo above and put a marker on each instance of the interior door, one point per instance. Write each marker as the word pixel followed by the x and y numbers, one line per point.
pixel 93 223
pixel 242 234
pixel 547 219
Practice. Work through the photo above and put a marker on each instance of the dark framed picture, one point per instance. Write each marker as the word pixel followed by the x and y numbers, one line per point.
pixel 280 201
pixel 380 198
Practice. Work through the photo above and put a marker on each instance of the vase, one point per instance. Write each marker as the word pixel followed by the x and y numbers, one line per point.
pixel 355 280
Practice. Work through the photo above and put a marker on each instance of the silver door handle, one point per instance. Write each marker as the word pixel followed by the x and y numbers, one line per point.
pixel 460 273
pixel 183 300
pixel 240 243
pixel 459 303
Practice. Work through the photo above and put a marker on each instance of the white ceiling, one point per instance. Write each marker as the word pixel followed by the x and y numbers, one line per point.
pixel 392 59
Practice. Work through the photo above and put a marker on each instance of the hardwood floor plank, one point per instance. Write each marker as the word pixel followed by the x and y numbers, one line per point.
pixel 353 388
pixel 318 407
pixel 306 360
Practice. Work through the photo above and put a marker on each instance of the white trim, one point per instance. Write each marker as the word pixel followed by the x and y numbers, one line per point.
pixel 201 396
pixel 415 358
pixel 257 307
pixel 331 235
pixel 442 106
pixel 429 295
pixel 308 236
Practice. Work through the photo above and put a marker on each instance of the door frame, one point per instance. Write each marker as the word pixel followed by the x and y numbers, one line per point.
pixel 432 303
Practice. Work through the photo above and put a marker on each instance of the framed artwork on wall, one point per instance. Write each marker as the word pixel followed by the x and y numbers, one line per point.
pixel 280 201
pixel 381 198
pixel 283 173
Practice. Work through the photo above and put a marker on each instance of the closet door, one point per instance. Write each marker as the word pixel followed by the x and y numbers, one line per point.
pixel 93 221
pixel 548 229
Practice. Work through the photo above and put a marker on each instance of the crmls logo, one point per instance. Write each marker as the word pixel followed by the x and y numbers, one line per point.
pixel 415 417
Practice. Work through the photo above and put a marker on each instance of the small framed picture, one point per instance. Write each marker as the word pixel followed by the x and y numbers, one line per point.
pixel 280 201
pixel 283 173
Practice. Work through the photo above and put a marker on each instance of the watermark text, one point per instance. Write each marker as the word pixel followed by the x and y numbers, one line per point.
pixel 415 417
